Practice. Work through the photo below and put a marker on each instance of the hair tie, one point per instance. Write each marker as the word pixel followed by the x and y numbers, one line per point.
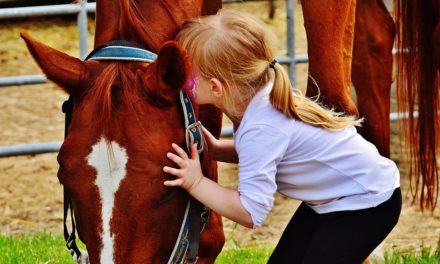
pixel 272 64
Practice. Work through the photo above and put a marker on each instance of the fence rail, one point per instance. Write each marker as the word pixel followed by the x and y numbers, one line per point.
pixel 81 9
pixel 49 147
pixel 49 10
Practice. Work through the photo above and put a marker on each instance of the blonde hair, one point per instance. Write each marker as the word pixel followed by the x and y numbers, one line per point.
pixel 236 48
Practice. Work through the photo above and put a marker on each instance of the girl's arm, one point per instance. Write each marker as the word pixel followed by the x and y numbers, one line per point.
pixel 220 199
pixel 220 149
pixel 225 151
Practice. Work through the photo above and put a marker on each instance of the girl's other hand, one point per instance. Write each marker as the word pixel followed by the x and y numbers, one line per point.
pixel 212 143
pixel 190 172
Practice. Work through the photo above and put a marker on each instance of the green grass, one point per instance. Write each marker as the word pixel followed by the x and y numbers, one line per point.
pixel 424 256
pixel 258 255
pixel 48 248
pixel 261 254
pixel 41 248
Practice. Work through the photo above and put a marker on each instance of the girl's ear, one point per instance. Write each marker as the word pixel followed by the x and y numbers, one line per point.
pixel 58 67
pixel 216 87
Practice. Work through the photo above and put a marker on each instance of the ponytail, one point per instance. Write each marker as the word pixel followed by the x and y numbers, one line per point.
pixel 302 108
pixel 237 48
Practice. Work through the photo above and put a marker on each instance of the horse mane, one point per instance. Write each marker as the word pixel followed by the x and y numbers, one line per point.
pixel 138 26
pixel 135 21
pixel 418 90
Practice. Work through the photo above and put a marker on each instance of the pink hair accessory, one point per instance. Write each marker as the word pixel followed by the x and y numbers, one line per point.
pixel 191 87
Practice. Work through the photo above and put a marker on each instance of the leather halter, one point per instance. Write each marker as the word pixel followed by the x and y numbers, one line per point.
pixel 196 215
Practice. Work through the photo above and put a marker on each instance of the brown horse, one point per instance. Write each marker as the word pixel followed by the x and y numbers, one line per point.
pixel 352 41
pixel 125 117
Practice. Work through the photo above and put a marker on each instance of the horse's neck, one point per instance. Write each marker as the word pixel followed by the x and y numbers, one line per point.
pixel 148 23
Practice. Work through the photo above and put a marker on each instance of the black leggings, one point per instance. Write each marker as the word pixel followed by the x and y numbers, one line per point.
pixel 346 237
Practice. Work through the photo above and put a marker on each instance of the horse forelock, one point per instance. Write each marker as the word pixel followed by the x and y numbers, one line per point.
pixel 115 86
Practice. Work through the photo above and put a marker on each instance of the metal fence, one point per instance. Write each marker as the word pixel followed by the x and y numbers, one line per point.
pixel 82 9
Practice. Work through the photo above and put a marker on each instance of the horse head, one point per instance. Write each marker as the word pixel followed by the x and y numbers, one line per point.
pixel 125 117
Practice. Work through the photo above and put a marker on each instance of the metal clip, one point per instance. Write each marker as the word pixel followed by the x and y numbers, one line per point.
pixel 194 135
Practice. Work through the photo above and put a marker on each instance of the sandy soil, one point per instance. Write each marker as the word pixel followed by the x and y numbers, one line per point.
pixel 30 195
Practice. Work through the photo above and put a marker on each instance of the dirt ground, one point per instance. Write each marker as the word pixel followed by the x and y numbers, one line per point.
pixel 30 195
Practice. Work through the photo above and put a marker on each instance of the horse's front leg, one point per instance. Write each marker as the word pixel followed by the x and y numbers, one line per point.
pixel 372 70
pixel 329 28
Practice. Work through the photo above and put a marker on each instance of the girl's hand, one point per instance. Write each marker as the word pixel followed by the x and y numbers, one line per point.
pixel 190 173
pixel 212 142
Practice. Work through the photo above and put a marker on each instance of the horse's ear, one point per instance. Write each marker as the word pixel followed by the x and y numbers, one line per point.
pixel 172 69
pixel 58 67
pixel 167 75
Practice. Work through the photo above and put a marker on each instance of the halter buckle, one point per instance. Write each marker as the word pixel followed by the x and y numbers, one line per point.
pixel 194 135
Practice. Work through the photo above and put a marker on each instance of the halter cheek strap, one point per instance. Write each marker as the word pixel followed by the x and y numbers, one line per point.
pixel 193 131
pixel 69 237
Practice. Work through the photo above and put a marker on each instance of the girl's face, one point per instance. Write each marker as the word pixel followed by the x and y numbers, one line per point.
pixel 201 90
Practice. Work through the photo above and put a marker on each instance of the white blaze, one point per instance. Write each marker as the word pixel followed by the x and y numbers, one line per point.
pixel 110 167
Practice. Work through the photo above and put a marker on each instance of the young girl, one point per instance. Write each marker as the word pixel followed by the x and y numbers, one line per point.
pixel 283 142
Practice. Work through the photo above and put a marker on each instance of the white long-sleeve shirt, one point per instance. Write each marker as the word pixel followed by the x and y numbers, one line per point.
pixel 330 171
